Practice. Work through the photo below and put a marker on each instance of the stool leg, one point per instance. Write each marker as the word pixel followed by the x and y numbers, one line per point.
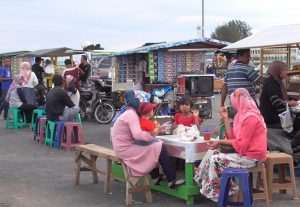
pixel 265 185
pixel 281 174
pixel 247 194
pixel 270 172
pixel 107 176
pixel 94 169
pixel 148 192
pixel 293 180
pixel 223 197
pixel 78 166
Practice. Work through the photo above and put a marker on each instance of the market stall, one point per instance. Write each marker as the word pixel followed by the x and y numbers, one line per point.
pixel 53 54
pixel 146 68
pixel 16 59
pixel 273 41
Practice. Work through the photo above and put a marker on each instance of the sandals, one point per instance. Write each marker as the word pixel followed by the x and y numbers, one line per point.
pixel 176 182
pixel 159 179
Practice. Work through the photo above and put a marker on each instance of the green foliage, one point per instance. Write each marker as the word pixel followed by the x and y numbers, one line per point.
pixel 232 31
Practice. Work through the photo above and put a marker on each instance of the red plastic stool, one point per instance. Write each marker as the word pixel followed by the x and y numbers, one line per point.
pixel 71 129
pixel 42 124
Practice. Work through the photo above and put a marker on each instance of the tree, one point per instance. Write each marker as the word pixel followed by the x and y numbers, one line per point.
pixel 232 31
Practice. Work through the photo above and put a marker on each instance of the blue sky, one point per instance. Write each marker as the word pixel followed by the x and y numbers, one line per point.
pixel 125 24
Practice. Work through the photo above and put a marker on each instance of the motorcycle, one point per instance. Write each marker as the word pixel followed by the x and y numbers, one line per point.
pixel 95 102
pixel 159 97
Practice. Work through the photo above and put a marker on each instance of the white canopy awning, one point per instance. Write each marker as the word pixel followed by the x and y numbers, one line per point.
pixel 276 36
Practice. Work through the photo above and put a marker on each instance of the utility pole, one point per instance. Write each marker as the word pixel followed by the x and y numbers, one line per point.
pixel 202 27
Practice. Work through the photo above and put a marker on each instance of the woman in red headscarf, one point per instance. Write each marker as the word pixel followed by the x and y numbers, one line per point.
pixel 248 139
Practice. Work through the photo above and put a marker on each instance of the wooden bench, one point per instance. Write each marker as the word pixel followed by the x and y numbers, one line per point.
pixel 95 151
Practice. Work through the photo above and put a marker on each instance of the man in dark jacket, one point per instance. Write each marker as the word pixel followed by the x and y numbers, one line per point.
pixel 38 69
pixel 59 105
pixel 86 68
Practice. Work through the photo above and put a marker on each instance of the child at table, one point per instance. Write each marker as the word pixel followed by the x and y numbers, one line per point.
pixel 186 116
pixel 145 111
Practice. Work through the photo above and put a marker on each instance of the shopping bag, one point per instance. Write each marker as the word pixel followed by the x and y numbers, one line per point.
pixel 286 120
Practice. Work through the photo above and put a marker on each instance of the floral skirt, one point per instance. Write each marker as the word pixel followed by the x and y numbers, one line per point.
pixel 209 172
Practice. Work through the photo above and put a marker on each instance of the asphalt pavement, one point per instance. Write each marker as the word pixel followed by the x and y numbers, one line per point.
pixel 32 175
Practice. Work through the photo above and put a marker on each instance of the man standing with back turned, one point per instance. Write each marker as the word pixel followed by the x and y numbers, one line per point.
pixel 240 75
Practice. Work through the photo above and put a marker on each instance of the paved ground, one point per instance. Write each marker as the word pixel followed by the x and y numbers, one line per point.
pixel 32 175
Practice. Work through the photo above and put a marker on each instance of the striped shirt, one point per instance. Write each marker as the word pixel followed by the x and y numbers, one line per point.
pixel 241 75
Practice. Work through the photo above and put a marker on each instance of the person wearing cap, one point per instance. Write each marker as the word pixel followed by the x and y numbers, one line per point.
pixel 146 113
pixel 38 69
pixel 141 160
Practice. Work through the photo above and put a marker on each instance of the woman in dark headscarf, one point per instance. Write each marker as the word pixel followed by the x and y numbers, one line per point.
pixel 273 98
pixel 141 160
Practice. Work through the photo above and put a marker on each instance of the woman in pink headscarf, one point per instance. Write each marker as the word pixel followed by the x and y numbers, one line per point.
pixel 248 139
pixel 29 82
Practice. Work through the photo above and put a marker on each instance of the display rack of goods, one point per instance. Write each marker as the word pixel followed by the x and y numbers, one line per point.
pixel 170 67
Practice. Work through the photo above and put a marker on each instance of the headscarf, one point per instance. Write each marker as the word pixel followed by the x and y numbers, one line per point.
pixel 25 71
pixel 130 101
pixel 245 106
pixel 275 69
pixel 17 80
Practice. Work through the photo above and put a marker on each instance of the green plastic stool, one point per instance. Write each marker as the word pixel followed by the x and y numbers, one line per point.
pixel 35 114
pixel 14 119
pixel 78 118
pixel 50 133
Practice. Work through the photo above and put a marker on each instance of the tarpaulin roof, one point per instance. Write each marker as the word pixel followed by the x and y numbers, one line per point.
pixel 282 35
pixel 203 43
pixel 16 53
pixel 54 52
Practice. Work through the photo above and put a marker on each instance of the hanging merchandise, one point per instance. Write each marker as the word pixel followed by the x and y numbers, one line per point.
pixel 160 60
pixel 155 64
pixel 130 68
pixel 151 66
pixel 180 62
pixel 197 62
pixel 116 70
pixel 121 70
pixel 188 62
pixel 170 67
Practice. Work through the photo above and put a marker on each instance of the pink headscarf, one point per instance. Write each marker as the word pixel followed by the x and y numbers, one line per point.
pixel 245 106
pixel 25 71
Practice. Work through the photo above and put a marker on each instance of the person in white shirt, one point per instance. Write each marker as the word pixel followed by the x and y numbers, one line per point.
pixel 29 82
pixel 49 68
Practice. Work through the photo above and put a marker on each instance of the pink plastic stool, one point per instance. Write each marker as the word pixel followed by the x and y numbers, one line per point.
pixel 41 136
pixel 71 129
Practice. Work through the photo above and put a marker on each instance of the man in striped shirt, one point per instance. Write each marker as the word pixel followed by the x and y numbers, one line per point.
pixel 240 75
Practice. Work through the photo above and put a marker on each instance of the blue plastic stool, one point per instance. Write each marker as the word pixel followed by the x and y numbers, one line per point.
pixel 37 127
pixel 35 114
pixel 59 129
pixel 243 176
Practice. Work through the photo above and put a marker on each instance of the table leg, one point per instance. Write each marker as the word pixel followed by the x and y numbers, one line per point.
pixel 189 181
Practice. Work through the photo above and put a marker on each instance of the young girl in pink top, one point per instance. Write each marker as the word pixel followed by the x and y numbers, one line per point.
pixel 248 138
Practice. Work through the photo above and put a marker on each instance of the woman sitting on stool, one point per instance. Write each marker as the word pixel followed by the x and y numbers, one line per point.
pixel 16 99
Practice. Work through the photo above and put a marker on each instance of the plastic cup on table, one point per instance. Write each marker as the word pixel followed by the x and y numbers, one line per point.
pixel 206 134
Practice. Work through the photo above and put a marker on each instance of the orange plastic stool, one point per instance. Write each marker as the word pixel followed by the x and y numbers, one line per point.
pixel 72 135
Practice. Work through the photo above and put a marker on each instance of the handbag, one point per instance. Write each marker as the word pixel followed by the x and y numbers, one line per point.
pixel 286 120
pixel 224 148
